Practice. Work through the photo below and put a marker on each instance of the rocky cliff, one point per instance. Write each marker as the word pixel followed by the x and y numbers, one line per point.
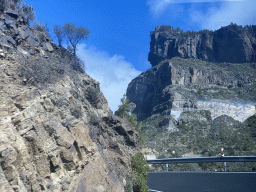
pixel 179 83
pixel 233 44
pixel 57 132
pixel 199 93
pixel 194 106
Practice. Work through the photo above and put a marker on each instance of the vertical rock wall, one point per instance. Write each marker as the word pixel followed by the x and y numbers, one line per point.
pixel 233 44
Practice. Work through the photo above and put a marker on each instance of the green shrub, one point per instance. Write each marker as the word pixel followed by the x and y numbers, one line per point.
pixel 93 95
pixel 140 167
pixel 123 112
pixel 42 27
pixel 251 123
pixel 93 118
pixel 41 71
pixel 76 112
pixel 129 182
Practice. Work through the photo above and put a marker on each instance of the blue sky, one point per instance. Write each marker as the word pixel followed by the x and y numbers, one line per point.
pixel 117 47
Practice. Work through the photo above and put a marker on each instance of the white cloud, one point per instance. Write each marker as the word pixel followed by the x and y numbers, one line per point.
pixel 113 73
pixel 241 12
pixel 197 1
pixel 157 7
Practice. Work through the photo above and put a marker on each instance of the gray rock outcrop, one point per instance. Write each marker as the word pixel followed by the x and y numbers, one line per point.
pixel 233 44
pixel 57 132
pixel 179 83
pixel 17 36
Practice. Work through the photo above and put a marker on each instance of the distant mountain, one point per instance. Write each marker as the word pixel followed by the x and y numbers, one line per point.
pixel 232 44
pixel 199 93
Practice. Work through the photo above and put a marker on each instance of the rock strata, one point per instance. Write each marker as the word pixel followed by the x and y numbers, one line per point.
pixel 233 44
pixel 57 132
pixel 179 83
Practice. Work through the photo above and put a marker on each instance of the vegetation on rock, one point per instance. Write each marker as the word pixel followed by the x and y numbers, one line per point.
pixel 40 71
pixel 140 167
pixel 138 178
pixel 124 111
pixel 58 31
pixel 201 138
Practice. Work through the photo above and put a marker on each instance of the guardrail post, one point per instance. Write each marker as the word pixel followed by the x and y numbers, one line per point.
pixel 222 151
pixel 166 165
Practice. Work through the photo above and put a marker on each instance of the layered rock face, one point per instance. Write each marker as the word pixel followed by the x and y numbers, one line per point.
pixel 60 136
pixel 180 83
pixel 233 44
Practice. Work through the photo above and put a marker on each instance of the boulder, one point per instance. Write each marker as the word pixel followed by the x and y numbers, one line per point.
pixel 7 41
pixel 49 46
pixel 25 32
pixel 3 27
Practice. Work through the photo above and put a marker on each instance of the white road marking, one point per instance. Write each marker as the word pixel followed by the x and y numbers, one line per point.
pixel 154 190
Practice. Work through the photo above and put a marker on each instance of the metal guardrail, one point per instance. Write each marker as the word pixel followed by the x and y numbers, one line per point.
pixel 203 159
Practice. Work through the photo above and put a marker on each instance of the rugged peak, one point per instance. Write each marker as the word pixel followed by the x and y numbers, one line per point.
pixel 233 44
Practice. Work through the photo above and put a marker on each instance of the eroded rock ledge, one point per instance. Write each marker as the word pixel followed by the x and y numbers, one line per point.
pixel 233 44
pixel 180 83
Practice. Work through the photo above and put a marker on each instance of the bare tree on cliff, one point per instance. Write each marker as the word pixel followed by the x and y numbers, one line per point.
pixel 58 30
pixel 75 34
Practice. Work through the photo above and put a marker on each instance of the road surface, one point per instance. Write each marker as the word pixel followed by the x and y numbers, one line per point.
pixel 193 181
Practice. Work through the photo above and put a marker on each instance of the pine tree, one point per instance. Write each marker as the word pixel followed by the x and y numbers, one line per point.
pixel 124 111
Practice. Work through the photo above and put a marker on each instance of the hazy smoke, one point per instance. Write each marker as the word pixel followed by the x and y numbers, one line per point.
pixel 113 73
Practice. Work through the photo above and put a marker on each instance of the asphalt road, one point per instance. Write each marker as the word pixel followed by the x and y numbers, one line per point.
pixel 188 181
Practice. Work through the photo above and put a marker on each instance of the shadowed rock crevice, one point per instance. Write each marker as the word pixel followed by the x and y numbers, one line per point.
pixel 79 154
pixel 52 168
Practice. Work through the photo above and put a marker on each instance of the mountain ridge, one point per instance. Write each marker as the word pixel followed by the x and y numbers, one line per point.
pixel 232 44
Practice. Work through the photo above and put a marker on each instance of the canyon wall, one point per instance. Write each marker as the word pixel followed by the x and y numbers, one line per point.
pixel 179 83
pixel 233 44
